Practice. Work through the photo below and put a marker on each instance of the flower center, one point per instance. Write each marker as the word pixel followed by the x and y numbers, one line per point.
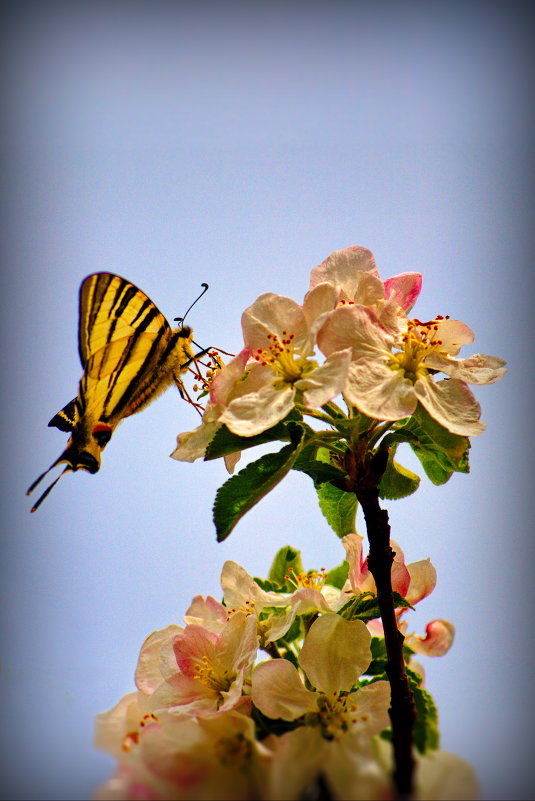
pixel 283 358
pixel 337 714
pixel 311 580
pixel 418 341
pixel 212 676
pixel 233 751
pixel 131 739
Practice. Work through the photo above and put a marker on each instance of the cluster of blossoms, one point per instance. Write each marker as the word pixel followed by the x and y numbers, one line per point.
pixel 209 719
pixel 382 362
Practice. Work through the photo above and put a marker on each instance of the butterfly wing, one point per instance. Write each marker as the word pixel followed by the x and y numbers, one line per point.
pixel 129 354
pixel 128 350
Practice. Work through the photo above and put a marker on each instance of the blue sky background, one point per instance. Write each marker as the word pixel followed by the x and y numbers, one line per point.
pixel 240 144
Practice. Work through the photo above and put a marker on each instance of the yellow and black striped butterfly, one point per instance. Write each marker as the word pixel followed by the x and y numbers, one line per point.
pixel 129 354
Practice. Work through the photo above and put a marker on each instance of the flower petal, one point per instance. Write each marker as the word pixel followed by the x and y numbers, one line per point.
pixel 225 381
pixel 342 268
pixel 326 381
pixel 476 369
pixel 239 587
pixel 423 579
pixel 274 314
pixel 335 653
pixel 257 411
pixel 278 692
pixel 404 289
pixel 354 327
pixel 437 641
pixel 149 668
pixel 378 391
pixel 451 404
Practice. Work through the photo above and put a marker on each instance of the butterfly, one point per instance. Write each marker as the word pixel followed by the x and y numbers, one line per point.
pixel 129 354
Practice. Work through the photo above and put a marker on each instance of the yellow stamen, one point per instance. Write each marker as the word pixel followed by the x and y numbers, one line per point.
pixel 283 358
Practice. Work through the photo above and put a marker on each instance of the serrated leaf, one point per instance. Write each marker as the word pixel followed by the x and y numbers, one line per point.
pixel 285 558
pixel 338 507
pixel 241 492
pixel 397 481
pixel 425 732
pixel 440 452
pixel 225 442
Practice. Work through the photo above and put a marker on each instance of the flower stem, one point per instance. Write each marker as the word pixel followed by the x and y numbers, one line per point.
pixel 402 710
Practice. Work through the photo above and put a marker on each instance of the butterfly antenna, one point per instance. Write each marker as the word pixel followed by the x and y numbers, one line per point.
pixel 181 319
pixel 48 489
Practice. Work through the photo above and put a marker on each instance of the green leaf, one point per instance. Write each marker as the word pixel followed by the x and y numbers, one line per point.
pixel 285 559
pixel 440 452
pixel 338 507
pixel 319 472
pixel 241 492
pixel 397 481
pixel 337 577
pixel 224 441
pixel 366 606
pixel 377 666
pixel 426 733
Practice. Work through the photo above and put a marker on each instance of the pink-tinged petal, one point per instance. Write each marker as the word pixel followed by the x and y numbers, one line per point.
pixel 335 653
pixel 404 289
pixel 342 267
pixel 278 692
pixel 191 646
pixel 148 672
pixel 274 314
pixel 257 411
pixel 320 300
pixel 423 579
pixel 453 334
pixel 476 369
pixel 225 381
pixel 437 641
pixel 354 327
pixel 360 578
pixel 378 391
pixel 206 612
pixel 326 381
pixel 451 404
pixel 400 575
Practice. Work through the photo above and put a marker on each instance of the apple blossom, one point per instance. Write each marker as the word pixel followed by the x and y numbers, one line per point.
pixel 354 274
pixel 387 384
pixel 334 654
pixel 201 671
pixel 280 338
pixel 225 386
pixel 176 758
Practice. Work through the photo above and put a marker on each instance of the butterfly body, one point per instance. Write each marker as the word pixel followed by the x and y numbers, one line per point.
pixel 129 354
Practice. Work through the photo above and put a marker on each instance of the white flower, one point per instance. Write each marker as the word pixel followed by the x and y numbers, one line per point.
pixel 387 385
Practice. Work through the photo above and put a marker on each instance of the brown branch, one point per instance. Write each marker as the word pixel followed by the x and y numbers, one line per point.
pixel 402 710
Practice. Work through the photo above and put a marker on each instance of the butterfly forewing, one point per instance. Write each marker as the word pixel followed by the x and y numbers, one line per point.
pixel 111 309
